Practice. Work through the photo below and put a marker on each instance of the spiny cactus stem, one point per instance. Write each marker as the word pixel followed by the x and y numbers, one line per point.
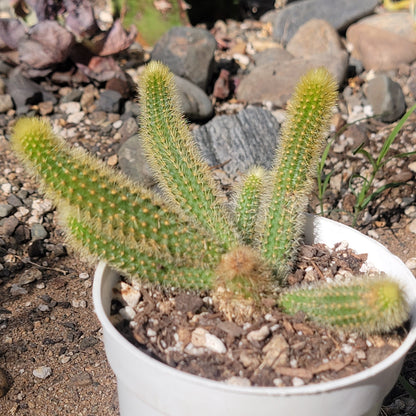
pixel 126 256
pixel 248 196
pixel 71 177
pixel 302 139
pixel 363 304
pixel 174 157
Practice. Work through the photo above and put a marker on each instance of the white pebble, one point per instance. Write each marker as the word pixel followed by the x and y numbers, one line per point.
pixel 84 276
pixel 297 382
pixel 6 188
pixel 411 263
pixel 43 308
pixel 42 372
pixel 238 381
pixel 259 334
pixel 127 313
pixel 41 206
pixel 16 290
pixel 117 124
pixel 346 348
pixel 202 338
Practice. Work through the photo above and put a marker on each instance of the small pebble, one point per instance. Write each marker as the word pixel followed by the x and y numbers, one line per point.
pixel 238 381
pixel 259 334
pixel 202 338
pixel 411 263
pixel 84 276
pixel 42 372
pixel 127 313
pixel 17 290
pixel 297 382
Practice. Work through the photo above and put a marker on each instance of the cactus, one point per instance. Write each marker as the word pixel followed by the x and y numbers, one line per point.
pixel 302 140
pixel 247 203
pixel 365 304
pixel 187 237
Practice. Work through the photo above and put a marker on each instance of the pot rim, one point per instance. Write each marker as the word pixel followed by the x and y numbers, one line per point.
pixel 354 379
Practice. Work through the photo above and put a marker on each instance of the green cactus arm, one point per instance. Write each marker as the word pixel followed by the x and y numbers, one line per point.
pixel 174 157
pixel 302 140
pixel 70 176
pixel 247 202
pixel 126 256
pixel 363 304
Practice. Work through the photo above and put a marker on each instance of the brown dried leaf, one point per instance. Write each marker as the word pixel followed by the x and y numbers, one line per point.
pixel 11 32
pixel 117 39
pixel 48 44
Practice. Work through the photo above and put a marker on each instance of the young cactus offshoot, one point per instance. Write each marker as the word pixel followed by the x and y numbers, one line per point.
pixel 187 237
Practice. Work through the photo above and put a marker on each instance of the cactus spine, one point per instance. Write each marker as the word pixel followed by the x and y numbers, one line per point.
pixel 186 238
pixel 174 157
pixel 365 304
pixel 302 140
pixel 247 203
pixel 72 178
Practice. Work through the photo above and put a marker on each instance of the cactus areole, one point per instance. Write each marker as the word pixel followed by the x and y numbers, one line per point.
pixel 190 236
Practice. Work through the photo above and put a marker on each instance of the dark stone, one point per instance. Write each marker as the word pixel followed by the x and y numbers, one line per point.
pixel 195 104
pixel 87 342
pixel 110 101
pixel 26 92
pixel 14 201
pixel 386 98
pixel 22 234
pixel 8 226
pixel 36 249
pixel 188 52
pixel 74 95
pixel 239 141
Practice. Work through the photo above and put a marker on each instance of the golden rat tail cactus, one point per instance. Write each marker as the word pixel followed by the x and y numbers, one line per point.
pixel 188 237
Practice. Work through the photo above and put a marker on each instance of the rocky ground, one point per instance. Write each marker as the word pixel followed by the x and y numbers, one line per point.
pixel 234 80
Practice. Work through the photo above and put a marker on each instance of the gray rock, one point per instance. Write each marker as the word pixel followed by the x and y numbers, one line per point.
pixel 196 105
pixel 14 201
pixel 5 210
pixel 275 82
pixel 188 52
pixel 386 97
pixel 133 163
pixel 128 129
pixel 6 103
pixel 339 13
pixel 8 225
pixel 239 141
pixel 74 95
pixel 272 55
pixel 38 232
pixel 109 101
pixel 26 92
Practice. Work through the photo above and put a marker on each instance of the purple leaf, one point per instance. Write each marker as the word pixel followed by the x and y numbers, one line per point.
pixel 48 44
pixel 80 19
pixel 46 9
pixel 117 39
pixel 11 31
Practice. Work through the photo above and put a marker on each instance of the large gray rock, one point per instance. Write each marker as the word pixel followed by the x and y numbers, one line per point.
pixel 386 98
pixel 188 52
pixel 239 141
pixel 339 13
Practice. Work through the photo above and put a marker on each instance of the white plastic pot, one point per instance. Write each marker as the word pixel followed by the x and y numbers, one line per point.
pixel 147 387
